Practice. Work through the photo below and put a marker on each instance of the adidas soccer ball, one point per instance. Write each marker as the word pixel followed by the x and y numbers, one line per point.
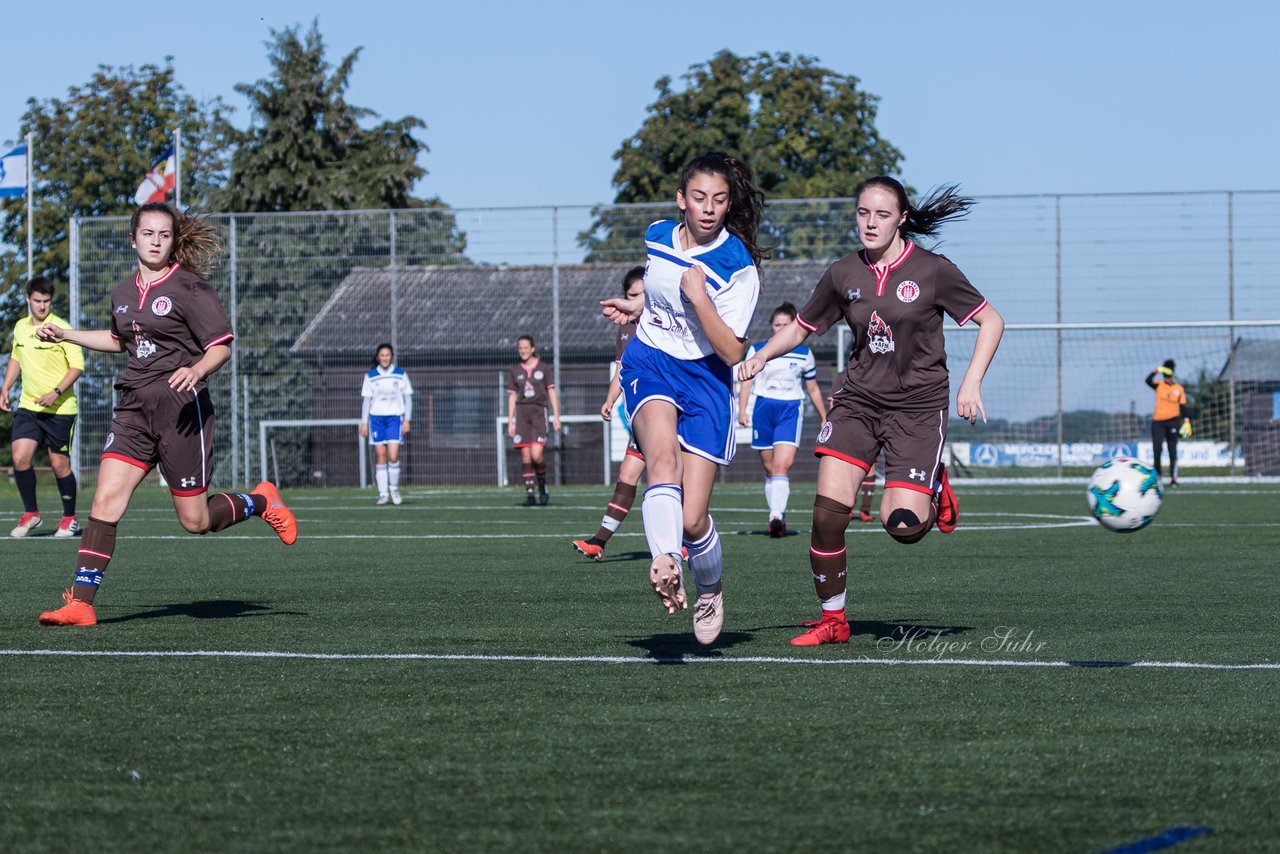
pixel 1124 495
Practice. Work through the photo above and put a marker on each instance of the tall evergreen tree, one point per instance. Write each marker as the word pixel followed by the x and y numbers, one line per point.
pixel 807 131
pixel 305 149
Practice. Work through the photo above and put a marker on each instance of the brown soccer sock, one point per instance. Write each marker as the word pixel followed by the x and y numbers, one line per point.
pixel 97 545
pixel 530 483
pixel 624 495
pixel 826 546
pixel 868 492
pixel 231 508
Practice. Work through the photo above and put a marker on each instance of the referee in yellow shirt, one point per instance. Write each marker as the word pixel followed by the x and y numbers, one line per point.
pixel 46 413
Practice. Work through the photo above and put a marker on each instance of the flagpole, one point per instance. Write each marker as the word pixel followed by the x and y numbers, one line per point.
pixel 177 168
pixel 30 169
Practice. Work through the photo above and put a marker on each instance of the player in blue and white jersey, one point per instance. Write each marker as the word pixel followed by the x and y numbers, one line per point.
pixel 385 416
pixel 777 416
pixel 700 289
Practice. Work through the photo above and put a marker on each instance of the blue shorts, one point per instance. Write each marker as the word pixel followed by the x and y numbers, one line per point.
pixel 385 429
pixel 776 422
pixel 701 389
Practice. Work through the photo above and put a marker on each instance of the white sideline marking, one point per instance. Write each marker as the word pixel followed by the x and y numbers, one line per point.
pixel 620 659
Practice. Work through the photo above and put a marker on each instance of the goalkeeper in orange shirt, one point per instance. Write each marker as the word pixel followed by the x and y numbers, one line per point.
pixel 1170 420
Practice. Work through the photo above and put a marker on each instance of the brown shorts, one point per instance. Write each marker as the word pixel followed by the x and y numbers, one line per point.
pixel 157 425
pixel 912 442
pixel 531 426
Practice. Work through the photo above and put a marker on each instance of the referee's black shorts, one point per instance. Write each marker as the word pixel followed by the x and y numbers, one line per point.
pixel 46 429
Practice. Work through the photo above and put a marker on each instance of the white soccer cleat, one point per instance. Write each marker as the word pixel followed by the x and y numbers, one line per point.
pixel 28 523
pixel 395 497
pixel 708 616
pixel 67 528
pixel 668 583
pixel 382 499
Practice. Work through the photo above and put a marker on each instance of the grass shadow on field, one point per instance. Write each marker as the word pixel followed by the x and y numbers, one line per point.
pixel 209 609
pixel 678 648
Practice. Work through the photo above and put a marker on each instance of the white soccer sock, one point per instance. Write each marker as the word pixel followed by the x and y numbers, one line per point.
pixel 781 495
pixel 835 603
pixel 768 493
pixel 706 559
pixel 380 477
pixel 663 513
pixel 393 474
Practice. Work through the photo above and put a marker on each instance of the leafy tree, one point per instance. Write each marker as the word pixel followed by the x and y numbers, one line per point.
pixel 807 131
pixel 91 151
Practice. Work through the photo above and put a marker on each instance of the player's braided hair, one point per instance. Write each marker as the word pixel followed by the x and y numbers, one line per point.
pixel 197 245
pixel 746 201
pixel 942 205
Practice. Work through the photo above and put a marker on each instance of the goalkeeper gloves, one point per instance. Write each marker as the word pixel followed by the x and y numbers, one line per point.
pixel 1165 371
pixel 1185 430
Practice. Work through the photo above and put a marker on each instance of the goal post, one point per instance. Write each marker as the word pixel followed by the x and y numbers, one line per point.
pixel 360 441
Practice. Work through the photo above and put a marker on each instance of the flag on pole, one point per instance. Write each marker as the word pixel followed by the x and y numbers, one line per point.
pixel 160 179
pixel 13 172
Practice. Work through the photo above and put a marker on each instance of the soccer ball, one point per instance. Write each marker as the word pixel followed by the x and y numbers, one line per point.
pixel 1124 495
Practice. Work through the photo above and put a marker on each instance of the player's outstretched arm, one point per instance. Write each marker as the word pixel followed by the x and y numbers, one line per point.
pixel 783 341
pixel 95 339
pixel 622 310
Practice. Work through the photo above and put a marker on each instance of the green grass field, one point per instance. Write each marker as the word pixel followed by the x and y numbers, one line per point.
pixel 449 675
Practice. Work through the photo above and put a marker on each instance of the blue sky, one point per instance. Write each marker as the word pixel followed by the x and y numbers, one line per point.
pixel 526 102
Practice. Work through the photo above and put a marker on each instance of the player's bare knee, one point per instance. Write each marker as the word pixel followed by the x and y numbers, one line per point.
pixel 905 526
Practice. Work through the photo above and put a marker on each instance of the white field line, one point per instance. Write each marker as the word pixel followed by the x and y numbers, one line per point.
pixel 618 659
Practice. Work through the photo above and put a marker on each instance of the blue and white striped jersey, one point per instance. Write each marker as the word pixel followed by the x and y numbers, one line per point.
pixel 784 376
pixel 389 392
pixel 733 283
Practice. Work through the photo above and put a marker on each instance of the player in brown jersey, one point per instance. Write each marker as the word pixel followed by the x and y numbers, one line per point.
pixel 1169 419
pixel 632 466
pixel 172 325
pixel 531 388
pixel 895 393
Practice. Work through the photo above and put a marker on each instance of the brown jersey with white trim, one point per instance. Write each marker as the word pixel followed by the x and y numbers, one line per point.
pixel 530 385
pixel 899 357
pixel 166 325
pixel 625 333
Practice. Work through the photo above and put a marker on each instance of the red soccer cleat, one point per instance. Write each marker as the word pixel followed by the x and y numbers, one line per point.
pixel 948 506
pixel 75 612
pixel 832 628
pixel 777 528
pixel 864 516
pixel 591 550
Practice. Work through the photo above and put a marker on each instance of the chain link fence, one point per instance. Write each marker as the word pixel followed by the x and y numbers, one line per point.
pixel 1097 290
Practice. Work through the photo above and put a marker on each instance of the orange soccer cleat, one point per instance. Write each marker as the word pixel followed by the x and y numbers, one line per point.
pixel 276 514
pixel 75 612
pixel 591 550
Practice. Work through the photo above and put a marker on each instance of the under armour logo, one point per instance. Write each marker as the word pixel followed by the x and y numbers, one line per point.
pixel 917 474
pixel 853 295
pixel 122 309
pixel 188 481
